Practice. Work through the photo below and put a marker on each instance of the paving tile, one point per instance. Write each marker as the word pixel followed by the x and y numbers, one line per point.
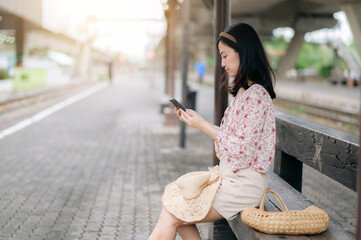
pixel 21 235
pixel 107 237
pixel 108 230
pixel 90 235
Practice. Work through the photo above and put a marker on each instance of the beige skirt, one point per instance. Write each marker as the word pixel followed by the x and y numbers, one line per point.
pixel 238 190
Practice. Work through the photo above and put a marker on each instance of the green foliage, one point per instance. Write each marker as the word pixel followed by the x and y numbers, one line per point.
pixel 3 74
pixel 297 111
pixel 316 56
pixel 102 76
pixel 342 65
pixel 24 76
pixel 210 60
pixel 275 50
pixel 307 56
pixel 325 71
pixel 276 43
pixel 311 55
pixel 353 46
pixel 29 78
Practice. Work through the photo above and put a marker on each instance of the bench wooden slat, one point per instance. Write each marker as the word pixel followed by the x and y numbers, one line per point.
pixel 331 152
pixel 294 201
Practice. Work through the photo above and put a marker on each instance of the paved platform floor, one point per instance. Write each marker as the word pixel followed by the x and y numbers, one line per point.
pixel 94 170
pixel 97 168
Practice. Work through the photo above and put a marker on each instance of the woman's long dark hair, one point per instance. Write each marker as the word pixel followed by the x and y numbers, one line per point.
pixel 253 65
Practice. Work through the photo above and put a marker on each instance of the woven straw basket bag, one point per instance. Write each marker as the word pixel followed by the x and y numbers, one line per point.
pixel 312 220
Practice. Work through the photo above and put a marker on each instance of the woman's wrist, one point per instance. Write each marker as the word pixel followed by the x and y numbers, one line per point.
pixel 210 129
pixel 204 125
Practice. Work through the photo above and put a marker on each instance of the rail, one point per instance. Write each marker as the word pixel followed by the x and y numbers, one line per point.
pixel 331 113
pixel 19 102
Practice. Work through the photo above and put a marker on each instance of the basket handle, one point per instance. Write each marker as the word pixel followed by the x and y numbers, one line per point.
pixel 278 198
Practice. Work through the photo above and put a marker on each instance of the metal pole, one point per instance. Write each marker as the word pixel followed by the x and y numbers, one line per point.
pixel 222 20
pixel 185 19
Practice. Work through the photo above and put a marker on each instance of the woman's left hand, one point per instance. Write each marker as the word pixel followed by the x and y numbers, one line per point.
pixel 192 118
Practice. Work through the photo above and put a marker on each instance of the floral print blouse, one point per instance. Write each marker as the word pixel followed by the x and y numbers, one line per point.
pixel 247 134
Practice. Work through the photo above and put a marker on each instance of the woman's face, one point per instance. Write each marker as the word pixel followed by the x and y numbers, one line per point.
pixel 230 59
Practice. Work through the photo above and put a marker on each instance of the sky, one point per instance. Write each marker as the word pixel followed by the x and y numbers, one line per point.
pixel 129 27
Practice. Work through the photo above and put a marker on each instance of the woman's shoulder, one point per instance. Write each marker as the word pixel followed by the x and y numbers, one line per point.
pixel 258 91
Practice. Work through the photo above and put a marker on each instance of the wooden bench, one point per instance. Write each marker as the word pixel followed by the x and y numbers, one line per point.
pixel 330 152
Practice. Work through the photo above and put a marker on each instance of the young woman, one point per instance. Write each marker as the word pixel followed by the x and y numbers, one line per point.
pixel 244 142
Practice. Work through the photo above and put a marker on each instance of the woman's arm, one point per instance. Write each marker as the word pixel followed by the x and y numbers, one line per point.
pixel 193 119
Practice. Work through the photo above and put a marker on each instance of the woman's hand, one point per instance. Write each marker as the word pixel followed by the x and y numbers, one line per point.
pixel 191 118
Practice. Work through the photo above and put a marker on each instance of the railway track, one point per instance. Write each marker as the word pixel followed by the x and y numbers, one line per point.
pixel 16 108
pixel 41 97
pixel 337 115
pixel 344 119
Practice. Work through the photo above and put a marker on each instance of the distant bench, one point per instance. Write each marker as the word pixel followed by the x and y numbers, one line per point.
pixel 331 152
pixel 164 103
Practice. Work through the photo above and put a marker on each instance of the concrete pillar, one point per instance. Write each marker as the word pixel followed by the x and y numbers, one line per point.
pixel 166 57
pixel 171 49
pixel 171 15
pixel 20 40
pixel 353 11
pixel 83 61
pixel 289 59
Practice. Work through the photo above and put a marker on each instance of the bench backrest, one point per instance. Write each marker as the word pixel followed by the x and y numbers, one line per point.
pixel 331 152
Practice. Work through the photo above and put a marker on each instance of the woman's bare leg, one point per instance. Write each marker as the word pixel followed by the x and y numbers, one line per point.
pixel 189 232
pixel 166 227
pixel 192 232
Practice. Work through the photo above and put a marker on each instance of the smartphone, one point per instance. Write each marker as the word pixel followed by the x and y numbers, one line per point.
pixel 177 104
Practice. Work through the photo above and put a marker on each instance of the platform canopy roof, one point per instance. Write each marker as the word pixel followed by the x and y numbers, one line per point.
pixel 266 15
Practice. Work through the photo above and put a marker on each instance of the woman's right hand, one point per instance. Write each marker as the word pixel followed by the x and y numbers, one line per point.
pixel 191 118
pixel 178 112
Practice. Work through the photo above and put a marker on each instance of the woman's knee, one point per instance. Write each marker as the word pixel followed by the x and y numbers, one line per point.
pixel 168 218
